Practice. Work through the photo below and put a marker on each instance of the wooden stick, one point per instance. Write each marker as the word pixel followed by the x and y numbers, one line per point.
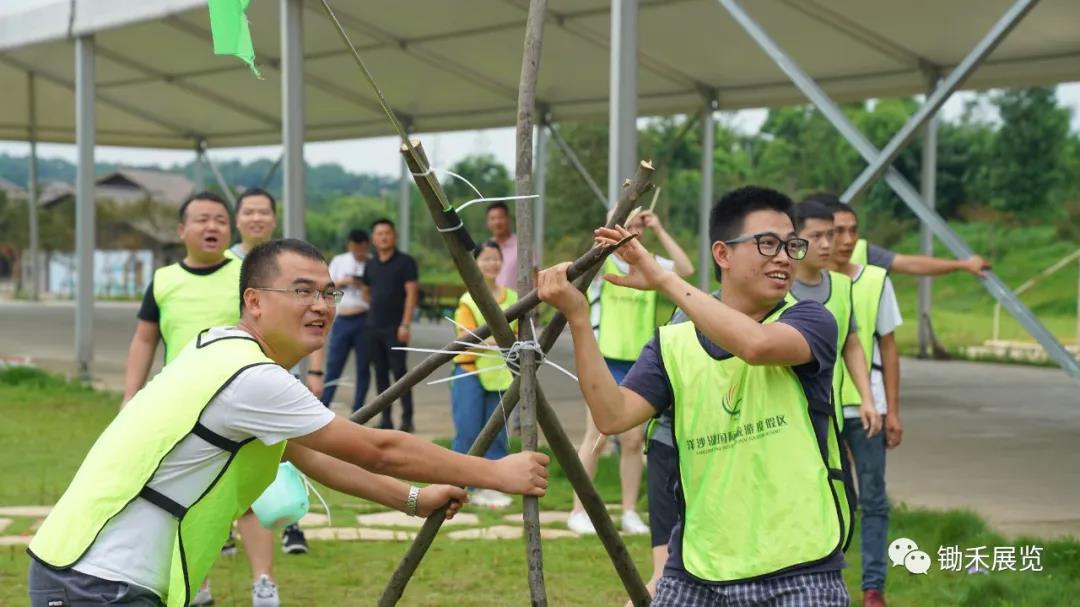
pixel 655 195
pixel 594 506
pixel 632 192
pixel 530 68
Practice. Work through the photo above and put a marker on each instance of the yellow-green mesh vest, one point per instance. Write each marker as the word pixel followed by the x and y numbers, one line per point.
pixel 190 303
pixel 495 380
pixel 758 495
pixel 126 456
pixel 866 291
pixel 860 253
pixel 839 304
pixel 627 317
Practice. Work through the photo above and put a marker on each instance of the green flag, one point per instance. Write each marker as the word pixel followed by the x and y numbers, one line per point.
pixel 229 27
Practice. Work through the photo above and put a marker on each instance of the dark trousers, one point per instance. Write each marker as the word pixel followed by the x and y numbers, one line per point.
pixel 381 340
pixel 69 588
pixel 348 334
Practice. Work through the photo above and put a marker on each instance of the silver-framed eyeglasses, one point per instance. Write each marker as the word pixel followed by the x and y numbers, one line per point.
pixel 310 296
pixel 769 244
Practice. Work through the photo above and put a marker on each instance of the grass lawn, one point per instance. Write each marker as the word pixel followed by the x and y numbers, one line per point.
pixel 50 425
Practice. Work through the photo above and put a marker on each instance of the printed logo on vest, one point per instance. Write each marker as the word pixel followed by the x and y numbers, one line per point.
pixel 732 396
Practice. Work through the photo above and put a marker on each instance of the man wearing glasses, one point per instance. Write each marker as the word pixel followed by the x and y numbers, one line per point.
pixel 144 518
pixel 749 381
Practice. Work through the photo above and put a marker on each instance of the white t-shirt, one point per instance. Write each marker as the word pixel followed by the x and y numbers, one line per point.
pixel 343 266
pixel 264 402
pixel 888 319
pixel 594 287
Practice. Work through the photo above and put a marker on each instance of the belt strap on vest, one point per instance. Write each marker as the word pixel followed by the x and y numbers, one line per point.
pixel 170 505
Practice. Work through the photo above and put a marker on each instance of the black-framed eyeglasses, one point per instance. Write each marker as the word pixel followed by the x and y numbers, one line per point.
pixel 769 244
pixel 310 296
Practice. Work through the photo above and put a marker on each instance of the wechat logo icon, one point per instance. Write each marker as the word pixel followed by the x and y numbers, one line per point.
pixel 905 553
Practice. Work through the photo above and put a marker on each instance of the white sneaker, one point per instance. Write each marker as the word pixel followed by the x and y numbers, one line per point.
pixel 489 498
pixel 580 523
pixel 264 593
pixel 203 598
pixel 632 524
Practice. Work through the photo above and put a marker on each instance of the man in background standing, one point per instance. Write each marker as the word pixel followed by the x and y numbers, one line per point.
pixel 348 332
pixel 498 223
pixel 256 220
pixel 392 291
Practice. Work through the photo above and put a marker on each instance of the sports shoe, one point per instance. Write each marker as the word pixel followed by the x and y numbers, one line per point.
pixel 293 541
pixel 580 523
pixel 489 498
pixel 229 548
pixel 264 593
pixel 203 598
pixel 632 524
pixel 873 598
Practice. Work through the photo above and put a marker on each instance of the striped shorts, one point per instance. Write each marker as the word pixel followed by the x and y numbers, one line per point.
pixel 825 589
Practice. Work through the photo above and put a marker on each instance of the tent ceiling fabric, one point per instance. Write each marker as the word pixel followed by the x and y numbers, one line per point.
pixel 159 85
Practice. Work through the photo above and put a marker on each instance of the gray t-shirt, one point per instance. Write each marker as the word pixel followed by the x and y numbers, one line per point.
pixel 878 256
pixel 819 293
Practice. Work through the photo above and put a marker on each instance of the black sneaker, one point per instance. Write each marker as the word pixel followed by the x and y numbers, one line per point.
pixel 229 548
pixel 408 427
pixel 293 541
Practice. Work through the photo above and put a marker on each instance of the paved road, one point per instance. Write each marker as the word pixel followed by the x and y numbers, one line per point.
pixel 999 439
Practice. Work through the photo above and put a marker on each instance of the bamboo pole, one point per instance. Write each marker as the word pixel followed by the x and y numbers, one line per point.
pixel 632 192
pixel 530 68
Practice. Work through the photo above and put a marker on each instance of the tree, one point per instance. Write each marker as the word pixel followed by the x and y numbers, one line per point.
pixel 1027 152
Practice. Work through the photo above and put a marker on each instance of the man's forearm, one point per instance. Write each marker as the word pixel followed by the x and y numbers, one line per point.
pixel 411 295
pixel 683 265
pixel 599 388
pixel 140 358
pixel 348 478
pixel 855 359
pixel 921 265
pixel 890 364
pixel 727 327
pixel 405 456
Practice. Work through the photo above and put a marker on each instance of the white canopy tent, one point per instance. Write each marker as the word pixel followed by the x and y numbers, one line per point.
pixel 142 73
pixel 445 68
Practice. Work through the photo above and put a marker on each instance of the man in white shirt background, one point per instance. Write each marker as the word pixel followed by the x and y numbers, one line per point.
pixel 347 334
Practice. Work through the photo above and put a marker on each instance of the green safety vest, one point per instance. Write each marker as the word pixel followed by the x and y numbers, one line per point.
pixel 627 317
pixel 761 494
pixel 860 253
pixel 190 303
pixel 499 380
pixel 125 458
pixel 866 291
pixel 839 304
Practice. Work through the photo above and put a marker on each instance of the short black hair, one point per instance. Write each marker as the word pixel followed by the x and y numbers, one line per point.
pixel 260 266
pixel 487 244
pixel 210 196
pixel 383 220
pixel 256 192
pixel 811 209
pixel 728 214
pixel 497 205
pixel 358 236
pixel 832 202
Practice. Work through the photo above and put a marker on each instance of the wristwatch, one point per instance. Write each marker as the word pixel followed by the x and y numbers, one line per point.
pixel 410 502
pixel 315 372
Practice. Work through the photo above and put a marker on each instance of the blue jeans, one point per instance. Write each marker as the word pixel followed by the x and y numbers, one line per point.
pixel 869 457
pixel 471 406
pixel 347 335
pixel 618 368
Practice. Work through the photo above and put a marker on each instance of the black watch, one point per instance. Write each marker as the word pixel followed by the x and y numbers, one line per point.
pixel 316 373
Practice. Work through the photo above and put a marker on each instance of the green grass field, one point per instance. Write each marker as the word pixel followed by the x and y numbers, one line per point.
pixel 49 425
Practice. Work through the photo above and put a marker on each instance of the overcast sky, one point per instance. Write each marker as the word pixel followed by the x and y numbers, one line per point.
pixel 380 155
